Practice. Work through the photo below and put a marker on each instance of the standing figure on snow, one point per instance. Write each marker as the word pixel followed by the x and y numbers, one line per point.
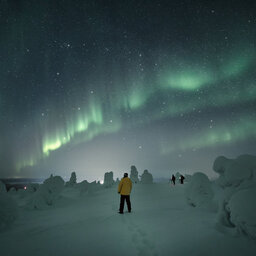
pixel 124 189
pixel 173 180
pixel 182 179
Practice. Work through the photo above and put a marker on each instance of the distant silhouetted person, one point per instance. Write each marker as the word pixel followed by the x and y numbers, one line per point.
pixel 182 179
pixel 124 189
pixel 173 179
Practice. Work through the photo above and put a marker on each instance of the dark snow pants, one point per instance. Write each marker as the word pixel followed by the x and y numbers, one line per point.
pixel 127 198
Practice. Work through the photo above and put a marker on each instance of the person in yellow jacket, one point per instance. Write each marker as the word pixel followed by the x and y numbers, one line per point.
pixel 124 189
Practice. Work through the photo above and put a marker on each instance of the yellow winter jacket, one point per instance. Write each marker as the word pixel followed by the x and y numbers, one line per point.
pixel 125 186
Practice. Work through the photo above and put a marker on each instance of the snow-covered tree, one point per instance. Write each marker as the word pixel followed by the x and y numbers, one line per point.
pixel 232 172
pixel 48 192
pixel 134 174
pixel 242 208
pixel 108 179
pixel 146 177
pixel 237 205
pixel 199 191
pixel 72 180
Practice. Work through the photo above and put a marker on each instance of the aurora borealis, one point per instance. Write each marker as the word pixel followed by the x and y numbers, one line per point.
pixel 96 86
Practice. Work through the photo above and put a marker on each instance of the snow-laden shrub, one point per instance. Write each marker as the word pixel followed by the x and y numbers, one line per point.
pixel 108 179
pixel 242 209
pixel 2 187
pixel 48 192
pixel 134 174
pixel 72 180
pixel 8 211
pixel 146 177
pixel 199 191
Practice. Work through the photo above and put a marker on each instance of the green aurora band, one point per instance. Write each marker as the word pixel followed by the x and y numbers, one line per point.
pixel 243 130
pixel 201 87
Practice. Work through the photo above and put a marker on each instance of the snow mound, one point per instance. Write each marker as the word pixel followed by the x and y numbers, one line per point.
pixel 146 177
pixel 242 208
pixel 8 211
pixel 199 191
pixel 2 187
pixel 48 192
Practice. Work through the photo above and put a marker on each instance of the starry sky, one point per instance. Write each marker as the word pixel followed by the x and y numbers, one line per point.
pixel 96 86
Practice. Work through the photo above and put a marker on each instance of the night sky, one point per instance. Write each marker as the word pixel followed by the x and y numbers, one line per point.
pixel 96 86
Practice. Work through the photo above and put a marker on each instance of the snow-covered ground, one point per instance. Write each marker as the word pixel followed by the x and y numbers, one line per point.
pixel 161 223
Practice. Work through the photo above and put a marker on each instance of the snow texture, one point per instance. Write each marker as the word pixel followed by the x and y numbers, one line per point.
pixel 199 191
pixel 146 177
pixel 161 223
pixel 8 210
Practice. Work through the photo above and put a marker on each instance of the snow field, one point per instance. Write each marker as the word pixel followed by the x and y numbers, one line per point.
pixel 161 223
